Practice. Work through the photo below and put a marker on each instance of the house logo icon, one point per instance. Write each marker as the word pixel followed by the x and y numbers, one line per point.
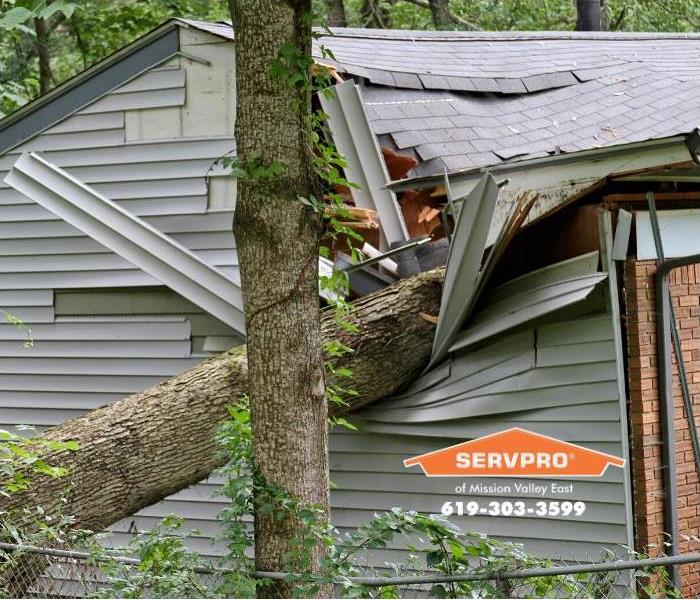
pixel 515 452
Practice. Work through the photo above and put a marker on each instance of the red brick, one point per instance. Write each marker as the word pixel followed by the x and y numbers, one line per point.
pixel 644 414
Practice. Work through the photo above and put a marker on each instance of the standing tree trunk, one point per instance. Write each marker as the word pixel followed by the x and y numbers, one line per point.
pixel 588 15
pixel 335 13
pixel 442 17
pixel 277 238
pixel 42 47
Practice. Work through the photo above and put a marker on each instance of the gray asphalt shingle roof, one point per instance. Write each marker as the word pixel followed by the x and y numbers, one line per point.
pixel 491 97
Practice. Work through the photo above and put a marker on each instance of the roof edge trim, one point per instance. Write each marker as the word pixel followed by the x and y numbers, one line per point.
pixel 538 162
pixel 87 86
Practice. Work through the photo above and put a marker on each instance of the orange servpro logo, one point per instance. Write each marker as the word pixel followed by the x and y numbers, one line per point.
pixel 515 452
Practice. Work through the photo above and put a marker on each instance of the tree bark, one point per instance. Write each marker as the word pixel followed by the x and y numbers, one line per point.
pixel 588 15
pixel 456 19
pixel 335 13
pixel 74 28
pixel 149 445
pixel 277 239
pixel 374 14
pixel 43 53
pixel 442 16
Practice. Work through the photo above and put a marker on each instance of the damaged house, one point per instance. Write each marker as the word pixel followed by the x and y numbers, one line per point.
pixel 560 171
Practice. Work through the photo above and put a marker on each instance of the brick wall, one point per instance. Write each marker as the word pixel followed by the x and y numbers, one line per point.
pixel 645 425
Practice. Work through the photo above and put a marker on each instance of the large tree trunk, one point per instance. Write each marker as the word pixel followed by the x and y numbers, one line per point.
pixel 588 15
pixel 335 13
pixel 442 17
pixel 277 239
pixel 152 444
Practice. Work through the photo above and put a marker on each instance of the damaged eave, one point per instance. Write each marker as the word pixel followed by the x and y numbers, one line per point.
pixel 561 179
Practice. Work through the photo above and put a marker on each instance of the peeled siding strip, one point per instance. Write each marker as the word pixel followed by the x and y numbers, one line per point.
pixel 137 100
pixel 95 122
pixel 463 263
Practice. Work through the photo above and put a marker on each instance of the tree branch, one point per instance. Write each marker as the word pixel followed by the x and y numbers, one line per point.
pixel 466 24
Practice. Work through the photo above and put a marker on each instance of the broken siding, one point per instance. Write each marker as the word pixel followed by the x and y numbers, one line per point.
pixel 543 379
pixel 129 236
pixel 559 379
pixel 101 339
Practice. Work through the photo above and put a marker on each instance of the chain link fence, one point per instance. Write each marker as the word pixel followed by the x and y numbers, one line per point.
pixel 62 572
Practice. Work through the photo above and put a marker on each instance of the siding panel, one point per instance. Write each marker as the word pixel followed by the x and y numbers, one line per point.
pixel 137 152
pixel 137 100
pixel 95 122
pixel 565 386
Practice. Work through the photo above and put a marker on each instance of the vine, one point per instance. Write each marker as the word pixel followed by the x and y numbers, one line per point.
pixel 21 460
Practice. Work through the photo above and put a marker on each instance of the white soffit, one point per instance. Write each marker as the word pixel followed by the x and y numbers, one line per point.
pixel 556 182
pixel 129 236
pixel 556 179
pixel 680 233
pixel 365 166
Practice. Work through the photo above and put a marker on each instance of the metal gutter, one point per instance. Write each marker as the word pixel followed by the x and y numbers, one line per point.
pixel 365 165
pixel 539 162
pixel 667 336
pixel 129 236
pixel 84 88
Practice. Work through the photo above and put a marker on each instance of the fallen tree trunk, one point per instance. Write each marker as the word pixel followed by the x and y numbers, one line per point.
pixel 149 445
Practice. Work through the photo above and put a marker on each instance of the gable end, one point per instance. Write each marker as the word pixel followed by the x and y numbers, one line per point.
pixel 48 111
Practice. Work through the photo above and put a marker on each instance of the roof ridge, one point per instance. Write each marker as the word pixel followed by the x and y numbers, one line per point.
pixel 479 36
pixel 505 36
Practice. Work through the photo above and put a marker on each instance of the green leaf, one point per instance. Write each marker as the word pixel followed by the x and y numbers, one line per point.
pixel 65 6
pixel 15 17
pixel 345 423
